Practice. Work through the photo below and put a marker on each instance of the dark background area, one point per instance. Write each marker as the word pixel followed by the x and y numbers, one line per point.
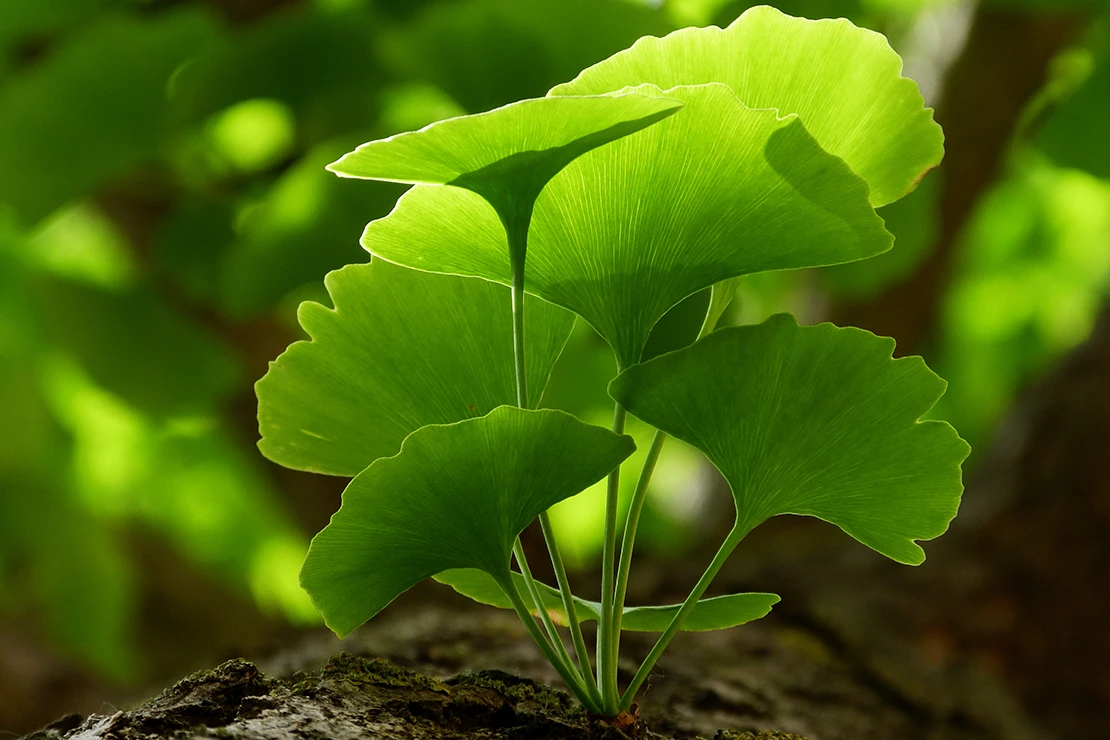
pixel 164 209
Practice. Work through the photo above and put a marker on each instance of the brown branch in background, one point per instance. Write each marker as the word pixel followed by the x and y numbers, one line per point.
pixel 1002 67
pixel 1033 602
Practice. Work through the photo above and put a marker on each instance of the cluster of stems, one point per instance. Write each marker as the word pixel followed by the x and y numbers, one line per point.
pixel 601 694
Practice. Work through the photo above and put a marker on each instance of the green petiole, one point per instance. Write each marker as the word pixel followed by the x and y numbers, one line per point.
pixel 607 641
pixel 734 537
pixel 555 641
pixel 569 608
pixel 518 247
pixel 636 507
pixel 565 672
pixel 630 526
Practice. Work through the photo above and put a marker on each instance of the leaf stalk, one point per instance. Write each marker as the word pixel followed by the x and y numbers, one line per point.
pixel 549 626
pixel 516 231
pixel 639 496
pixel 731 541
pixel 607 641
pixel 569 607
pixel 631 523
pixel 569 677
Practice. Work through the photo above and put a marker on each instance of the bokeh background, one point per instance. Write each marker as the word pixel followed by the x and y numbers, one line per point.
pixel 164 209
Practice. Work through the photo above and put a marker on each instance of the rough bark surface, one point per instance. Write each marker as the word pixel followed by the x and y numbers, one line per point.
pixel 770 681
pixel 353 697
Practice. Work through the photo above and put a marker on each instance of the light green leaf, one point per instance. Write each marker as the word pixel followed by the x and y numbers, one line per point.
pixel 630 229
pixel 814 420
pixel 455 496
pixel 717 613
pixel 402 349
pixel 508 154
pixel 843 81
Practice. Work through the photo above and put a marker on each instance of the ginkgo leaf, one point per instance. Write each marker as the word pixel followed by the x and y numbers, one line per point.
pixel 553 132
pixel 402 349
pixel 716 613
pixel 506 155
pixel 455 496
pixel 628 230
pixel 814 420
pixel 843 81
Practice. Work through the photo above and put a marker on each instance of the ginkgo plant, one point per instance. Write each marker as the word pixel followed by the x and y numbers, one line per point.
pixel 679 164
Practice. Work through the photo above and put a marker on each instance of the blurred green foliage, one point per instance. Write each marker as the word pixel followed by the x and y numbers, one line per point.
pixel 164 207
pixel 1034 268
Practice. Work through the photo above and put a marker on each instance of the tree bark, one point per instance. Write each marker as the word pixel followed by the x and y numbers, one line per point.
pixel 771 680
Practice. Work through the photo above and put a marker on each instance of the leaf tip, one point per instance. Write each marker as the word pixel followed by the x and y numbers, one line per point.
pixel 914 555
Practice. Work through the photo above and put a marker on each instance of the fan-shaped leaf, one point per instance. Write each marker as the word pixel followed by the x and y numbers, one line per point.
pixel 455 496
pixel 401 350
pixel 844 82
pixel 717 613
pixel 813 420
pixel 508 154
pixel 628 230
pixel 551 131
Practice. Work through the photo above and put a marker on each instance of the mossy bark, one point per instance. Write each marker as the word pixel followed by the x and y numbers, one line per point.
pixel 354 697
pixel 772 681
